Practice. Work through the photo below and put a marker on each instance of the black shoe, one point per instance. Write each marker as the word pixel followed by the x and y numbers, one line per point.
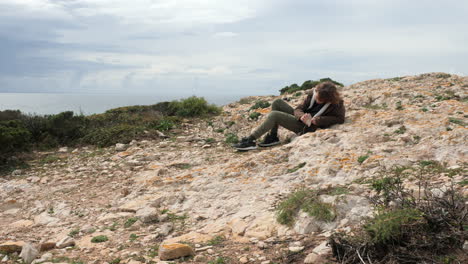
pixel 245 144
pixel 269 140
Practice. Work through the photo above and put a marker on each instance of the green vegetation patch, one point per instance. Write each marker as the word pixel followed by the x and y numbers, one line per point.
pixel 388 226
pixel 22 132
pixel 99 239
pixel 216 240
pixel 130 221
pixel 231 138
pixel 457 121
pixel 362 158
pixel 254 115
pixel 297 167
pixel 407 229
pixel 306 200
pixel 260 104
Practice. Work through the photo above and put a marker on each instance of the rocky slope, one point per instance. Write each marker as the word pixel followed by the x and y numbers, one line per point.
pixel 194 188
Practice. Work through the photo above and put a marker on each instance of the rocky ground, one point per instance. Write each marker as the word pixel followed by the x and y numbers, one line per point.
pixel 119 204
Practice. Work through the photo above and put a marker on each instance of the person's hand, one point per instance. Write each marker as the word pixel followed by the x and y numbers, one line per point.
pixel 313 121
pixel 306 119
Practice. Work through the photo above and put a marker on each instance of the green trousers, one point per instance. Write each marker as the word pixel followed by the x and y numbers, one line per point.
pixel 282 114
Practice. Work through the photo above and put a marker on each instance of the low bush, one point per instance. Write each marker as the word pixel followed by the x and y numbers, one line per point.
pixel 408 227
pixel 307 201
pixel 293 88
pixel 13 136
pixel 192 106
pixel 20 132
pixel 260 104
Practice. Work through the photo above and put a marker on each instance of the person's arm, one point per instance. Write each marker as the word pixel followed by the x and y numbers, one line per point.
pixel 299 110
pixel 334 117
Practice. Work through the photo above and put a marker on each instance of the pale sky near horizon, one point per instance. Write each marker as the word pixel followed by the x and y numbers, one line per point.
pixel 251 47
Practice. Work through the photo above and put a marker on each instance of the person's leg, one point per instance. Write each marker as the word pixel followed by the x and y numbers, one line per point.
pixel 275 119
pixel 281 106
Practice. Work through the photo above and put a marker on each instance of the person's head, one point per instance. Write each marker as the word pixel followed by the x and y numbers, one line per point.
pixel 326 93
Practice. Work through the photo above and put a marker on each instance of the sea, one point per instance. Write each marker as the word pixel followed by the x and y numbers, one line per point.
pixel 87 104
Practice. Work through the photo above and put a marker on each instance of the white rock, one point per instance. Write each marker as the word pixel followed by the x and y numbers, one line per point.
pixel 120 147
pixel 63 150
pixel 147 214
pixel 65 242
pixel 28 253
pixel 311 258
pixel 296 249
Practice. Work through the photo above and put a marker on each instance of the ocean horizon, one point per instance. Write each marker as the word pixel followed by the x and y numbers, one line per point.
pixel 88 104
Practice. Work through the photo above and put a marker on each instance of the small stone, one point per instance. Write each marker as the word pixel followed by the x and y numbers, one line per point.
pixel 174 251
pixel 16 172
pixel 199 258
pixel 44 180
pixel 296 249
pixel 11 247
pixel 28 253
pixel 63 150
pixel 266 262
pixel 120 147
pixel 210 251
pixel 465 245
pixel 262 245
pixel 206 146
pixel 243 260
pixel 66 242
pixel 166 229
pixel 322 249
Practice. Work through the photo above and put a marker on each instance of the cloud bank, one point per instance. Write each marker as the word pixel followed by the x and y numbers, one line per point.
pixel 220 46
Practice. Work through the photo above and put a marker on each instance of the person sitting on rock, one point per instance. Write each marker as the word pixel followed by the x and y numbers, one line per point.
pixel 321 108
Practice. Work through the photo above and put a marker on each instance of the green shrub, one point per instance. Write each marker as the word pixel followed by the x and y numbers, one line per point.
pixel 164 124
pixel 130 221
pixel 387 226
pixel 308 201
pixel 400 130
pixel 192 107
pixel 231 138
pixel 13 136
pixel 107 136
pixel 260 104
pixel 216 240
pixel 99 239
pixel 406 229
pixel 66 126
pixel 254 115
pixel 361 159
pixel 306 85
pixel 8 115
pixel 297 167
pixel 399 106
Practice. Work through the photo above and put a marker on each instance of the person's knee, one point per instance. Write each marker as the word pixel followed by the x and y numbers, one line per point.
pixel 276 104
pixel 273 115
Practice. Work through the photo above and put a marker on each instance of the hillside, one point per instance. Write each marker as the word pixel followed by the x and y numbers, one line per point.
pixel 194 188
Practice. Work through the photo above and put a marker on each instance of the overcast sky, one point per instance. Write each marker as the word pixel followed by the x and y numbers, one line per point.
pixel 223 46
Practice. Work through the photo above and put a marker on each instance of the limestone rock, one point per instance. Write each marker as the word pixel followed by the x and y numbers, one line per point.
pixel 66 242
pixel 28 253
pixel 11 247
pixel 120 147
pixel 45 219
pixel 147 215
pixel 174 251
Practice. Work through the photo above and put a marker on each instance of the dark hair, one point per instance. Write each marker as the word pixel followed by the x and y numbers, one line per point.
pixel 327 92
